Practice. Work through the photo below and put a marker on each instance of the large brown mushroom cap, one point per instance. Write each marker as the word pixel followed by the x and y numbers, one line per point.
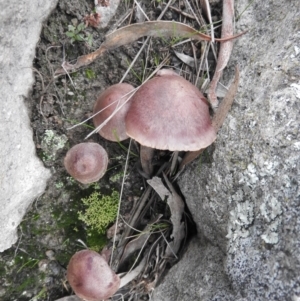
pixel 114 130
pixel 168 112
pixel 86 162
pixel 90 276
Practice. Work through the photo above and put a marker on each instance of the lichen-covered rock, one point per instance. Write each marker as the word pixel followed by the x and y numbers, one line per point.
pixel 246 203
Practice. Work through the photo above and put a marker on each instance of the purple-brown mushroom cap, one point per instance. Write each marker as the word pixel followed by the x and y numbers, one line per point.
pixel 114 130
pixel 86 162
pixel 170 113
pixel 90 276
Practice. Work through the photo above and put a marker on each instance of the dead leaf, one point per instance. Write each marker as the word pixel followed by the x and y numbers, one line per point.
pixel 176 205
pixel 188 60
pixel 159 187
pixel 131 33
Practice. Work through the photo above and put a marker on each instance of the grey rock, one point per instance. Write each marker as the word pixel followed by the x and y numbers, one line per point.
pixel 106 10
pixel 202 280
pixel 246 203
pixel 23 176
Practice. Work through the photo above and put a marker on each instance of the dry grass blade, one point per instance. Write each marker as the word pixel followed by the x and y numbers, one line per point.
pixel 187 3
pixel 206 7
pixel 138 243
pixel 218 118
pixel 140 11
pixel 133 221
pixel 131 33
pixel 120 199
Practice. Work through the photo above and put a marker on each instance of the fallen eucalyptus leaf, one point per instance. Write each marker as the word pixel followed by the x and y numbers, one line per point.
pixel 131 33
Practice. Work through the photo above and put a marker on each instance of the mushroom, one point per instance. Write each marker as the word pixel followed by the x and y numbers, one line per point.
pixel 108 101
pixel 86 162
pixel 169 113
pixel 90 276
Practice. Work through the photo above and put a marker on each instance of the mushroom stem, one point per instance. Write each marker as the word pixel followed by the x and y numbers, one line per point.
pixel 146 156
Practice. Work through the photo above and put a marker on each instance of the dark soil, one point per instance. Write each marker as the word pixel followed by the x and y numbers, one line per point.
pixel 35 267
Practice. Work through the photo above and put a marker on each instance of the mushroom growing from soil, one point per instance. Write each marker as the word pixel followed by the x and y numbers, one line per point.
pixel 90 276
pixel 86 162
pixel 169 113
pixel 108 101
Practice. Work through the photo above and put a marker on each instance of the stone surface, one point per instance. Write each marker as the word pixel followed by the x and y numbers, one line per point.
pixel 106 9
pixel 23 176
pixel 246 203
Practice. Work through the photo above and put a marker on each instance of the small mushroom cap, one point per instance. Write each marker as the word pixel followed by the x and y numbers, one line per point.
pixel 168 112
pixel 114 130
pixel 86 162
pixel 90 276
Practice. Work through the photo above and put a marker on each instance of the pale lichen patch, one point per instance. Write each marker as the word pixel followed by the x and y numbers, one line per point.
pixel 271 211
pixel 240 219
